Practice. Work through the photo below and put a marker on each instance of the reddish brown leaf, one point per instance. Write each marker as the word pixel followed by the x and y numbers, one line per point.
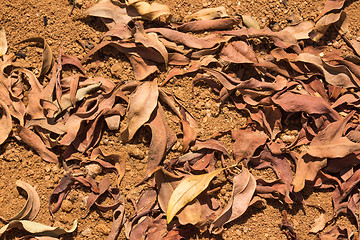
pixel 246 142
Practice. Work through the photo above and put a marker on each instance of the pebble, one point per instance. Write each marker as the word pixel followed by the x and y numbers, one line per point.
pixel 86 232
pixel 223 191
pixel 358 39
pixel 336 45
pixel 135 152
pixel 93 169
pixel 103 229
pixel 67 206
pixel 116 69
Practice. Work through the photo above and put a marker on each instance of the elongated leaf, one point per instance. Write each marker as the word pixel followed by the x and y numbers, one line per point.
pixel 188 189
pixel 330 143
pixel 208 14
pixel 319 223
pixel 32 205
pixel 243 191
pixel 3 42
pixel 250 22
pixel 48 58
pixel 149 11
pixel 37 228
pixel 142 104
pixel 5 122
pixel 34 141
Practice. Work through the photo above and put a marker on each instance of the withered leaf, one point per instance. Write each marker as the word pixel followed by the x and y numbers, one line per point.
pixel 150 40
pixel 250 22
pixel 324 23
pixel 208 14
pixel 246 142
pixel 149 11
pixel 142 103
pixel 3 42
pixel 337 233
pixel 307 168
pixel 319 223
pixel 107 9
pixel 31 207
pixel 188 189
pixel 35 142
pixel 238 52
pixel 301 30
pixel 142 67
pixel 37 228
pixel 208 41
pixel 244 185
pixel 329 143
pixel 5 122
pixel 162 139
pixel 48 58
pixel 206 25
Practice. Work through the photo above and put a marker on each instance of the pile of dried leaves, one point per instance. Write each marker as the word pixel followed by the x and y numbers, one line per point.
pixel 295 83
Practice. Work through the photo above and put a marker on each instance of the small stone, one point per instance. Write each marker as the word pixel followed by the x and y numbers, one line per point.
pixel 67 206
pixel 336 45
pixel 47 178
pixel 86 232
pixel 223 191
pixel 246 229
pixel 135 152
pixel 207 105
pixel 103 229
pixel 115 69
pixel 101 64
pixel 93 169
pixel 106 142
pixel 358 39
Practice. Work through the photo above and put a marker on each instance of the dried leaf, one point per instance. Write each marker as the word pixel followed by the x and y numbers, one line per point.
pixel 142 67
pixel 246 142
pixel 329 143
pixel 149 11
pixel 206 25
pixel 301 30
pixel 324 23
pixel 150 40
pixel 208 14
pixel 337 233
pixel 35 142
pixel 244 185
pixel 3 42
pixel 5 122
pixel 208 41
pixel 188 189
pixel 238 52
pixel 250 22
pixel 48 58
pixel 31 207
pixel 162 139
pixel 37 228
pixel 320 223
pixel 142 103
pixel 107 9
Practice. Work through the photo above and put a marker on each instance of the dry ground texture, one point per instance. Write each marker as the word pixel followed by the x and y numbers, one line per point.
pixel 130 120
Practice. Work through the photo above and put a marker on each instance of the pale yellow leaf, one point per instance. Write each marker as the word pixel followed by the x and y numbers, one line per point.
pixel 188 189
pixel 208 14
pixel 3 43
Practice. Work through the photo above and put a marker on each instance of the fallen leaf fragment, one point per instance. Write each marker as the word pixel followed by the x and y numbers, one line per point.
pixel 149 11
pixel 208 14
pixel 34 141
pixel 319 223
pixel 244 185
pixel 3 42
pixel 48 58
pixel 329 143
pixel 37 228
pixel 5 122
pixel 246 142
pixel 31 207
pixel 188 189
pixel 142 103
pixel 337 233
pixel 206 25
pixel 250 22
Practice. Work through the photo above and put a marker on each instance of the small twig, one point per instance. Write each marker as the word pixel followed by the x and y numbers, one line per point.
pixel 73 7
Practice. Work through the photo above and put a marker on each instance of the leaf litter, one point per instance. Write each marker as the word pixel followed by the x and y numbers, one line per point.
pixel 70 113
